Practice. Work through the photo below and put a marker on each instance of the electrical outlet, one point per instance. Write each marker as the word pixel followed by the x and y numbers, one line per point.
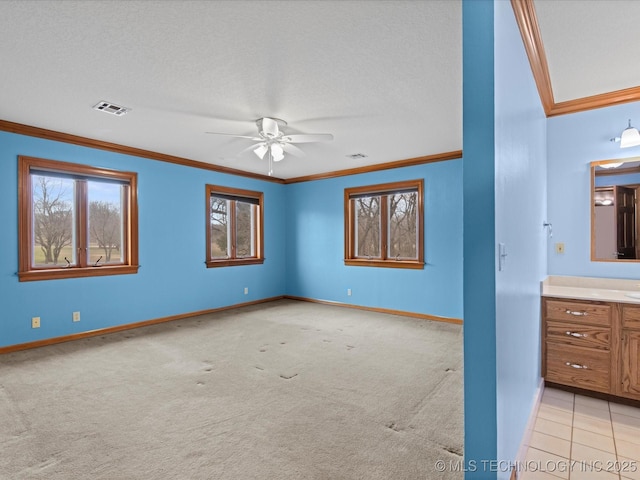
pixel 348 292
pixel 76 316
pixel 246 290
pixel 35 322
pixel 560 248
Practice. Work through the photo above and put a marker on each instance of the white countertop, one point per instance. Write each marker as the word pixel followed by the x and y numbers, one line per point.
pixel 592 288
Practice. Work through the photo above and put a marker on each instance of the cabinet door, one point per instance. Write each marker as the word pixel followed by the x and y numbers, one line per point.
pixel 630 352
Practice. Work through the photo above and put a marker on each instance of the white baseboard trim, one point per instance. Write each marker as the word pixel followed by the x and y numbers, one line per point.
pixel 526 437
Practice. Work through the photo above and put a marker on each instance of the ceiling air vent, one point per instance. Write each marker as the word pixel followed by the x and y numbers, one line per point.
pixel 356 156
pixel 111 108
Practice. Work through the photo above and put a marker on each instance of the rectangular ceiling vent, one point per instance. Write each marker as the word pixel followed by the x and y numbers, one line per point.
pixel 111 108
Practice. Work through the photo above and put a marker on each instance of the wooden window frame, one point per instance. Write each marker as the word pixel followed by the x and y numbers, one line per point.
pixel 212 190
pixel 28 272
pixel 383 190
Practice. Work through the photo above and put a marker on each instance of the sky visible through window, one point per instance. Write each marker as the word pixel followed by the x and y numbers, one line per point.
pixel 104 192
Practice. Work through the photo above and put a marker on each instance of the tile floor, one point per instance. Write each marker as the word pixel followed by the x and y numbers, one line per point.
pixel 577 437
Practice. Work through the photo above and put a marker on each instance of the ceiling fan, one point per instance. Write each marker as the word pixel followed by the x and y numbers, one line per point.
pixel 273 143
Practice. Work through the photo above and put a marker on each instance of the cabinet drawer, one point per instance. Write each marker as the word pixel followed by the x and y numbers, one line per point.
pixel 580 312
pixel 578 367
pixel 579 335
pixel 631 317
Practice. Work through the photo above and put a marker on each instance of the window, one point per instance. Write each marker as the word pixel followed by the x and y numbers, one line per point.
pixel 75 220
pixel 384 225
pixel 234 227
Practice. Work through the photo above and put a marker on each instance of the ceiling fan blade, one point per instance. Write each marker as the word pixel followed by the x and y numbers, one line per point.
pixel 292 149
pixel 257 139
pixel 308 138
pixel 269 127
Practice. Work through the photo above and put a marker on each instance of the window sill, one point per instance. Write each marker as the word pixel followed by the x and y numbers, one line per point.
pixel 233 263
pixel 58 273
pixel 364 262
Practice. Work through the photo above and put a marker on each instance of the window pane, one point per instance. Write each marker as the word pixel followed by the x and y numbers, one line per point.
pixel 403 225
pixel 367 228
pixel 245 230
pixel 53 220
pixel 219 228
pixel 106 232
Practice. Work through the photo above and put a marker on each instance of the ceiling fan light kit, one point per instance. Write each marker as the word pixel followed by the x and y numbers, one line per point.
pixel 273 143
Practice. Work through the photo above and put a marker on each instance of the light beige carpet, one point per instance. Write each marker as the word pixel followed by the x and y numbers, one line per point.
pixel 282 390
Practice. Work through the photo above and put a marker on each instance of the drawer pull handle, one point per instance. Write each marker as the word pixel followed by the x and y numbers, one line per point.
pixel 576 314
pixel 577 335
pixel 575 365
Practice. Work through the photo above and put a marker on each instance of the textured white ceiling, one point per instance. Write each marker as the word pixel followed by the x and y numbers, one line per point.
pixel 591 46
pixel 384 77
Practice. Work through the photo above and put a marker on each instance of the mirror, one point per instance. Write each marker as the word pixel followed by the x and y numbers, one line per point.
pixel 615 205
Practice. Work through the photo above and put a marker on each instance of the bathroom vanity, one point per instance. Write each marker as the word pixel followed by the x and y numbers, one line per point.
pixel 591 334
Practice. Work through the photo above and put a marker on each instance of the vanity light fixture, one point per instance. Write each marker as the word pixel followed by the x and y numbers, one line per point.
pixel 630 137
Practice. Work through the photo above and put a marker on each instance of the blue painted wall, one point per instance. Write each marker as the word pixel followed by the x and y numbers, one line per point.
pixel 303 248
pixel 480 442
pixel 315 248
pixel 520 210
pixel 574 141
pixel 173 278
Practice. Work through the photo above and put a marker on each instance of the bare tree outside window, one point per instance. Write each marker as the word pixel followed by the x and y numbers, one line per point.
pixel 234 227
pixel 52 220
pixel 105 228
pixel 403 232
pixel 384 225
pixel 218 216
pixel 74 217
pixel 368 226
pixel 245 246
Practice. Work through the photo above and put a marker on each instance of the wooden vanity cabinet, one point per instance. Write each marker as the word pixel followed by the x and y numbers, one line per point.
pixel 630 352
pixel 577 343
pixel 592 345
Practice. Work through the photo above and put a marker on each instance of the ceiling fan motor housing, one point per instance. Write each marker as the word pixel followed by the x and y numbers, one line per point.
pixel 270 127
